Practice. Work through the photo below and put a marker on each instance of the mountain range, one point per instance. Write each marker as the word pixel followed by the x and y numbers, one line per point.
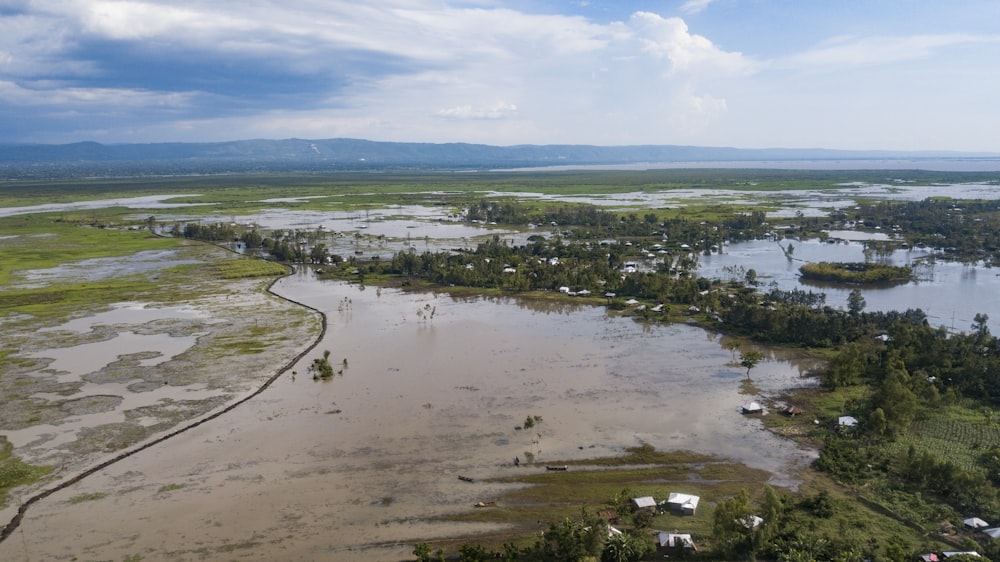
pixel 341 153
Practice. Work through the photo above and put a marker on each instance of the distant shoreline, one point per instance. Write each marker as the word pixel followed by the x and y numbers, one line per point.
pixel 959 164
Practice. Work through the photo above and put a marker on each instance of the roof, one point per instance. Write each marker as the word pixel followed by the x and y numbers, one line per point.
pixel 975 523
pixel 750 521
pixel 676 539
pixel 683 500
pixel 644 501
pixel 993 533
pixel 752 407
pixel 847 421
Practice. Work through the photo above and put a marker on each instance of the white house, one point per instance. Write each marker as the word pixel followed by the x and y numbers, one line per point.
pixel 752 408
pixel 675 540
pixel 975 523
pixel 684 503
pixel 847 421
pixel 645 502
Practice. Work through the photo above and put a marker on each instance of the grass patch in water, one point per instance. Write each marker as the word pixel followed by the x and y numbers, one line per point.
pixel 93 496
pixel 241 268
pixel 14 472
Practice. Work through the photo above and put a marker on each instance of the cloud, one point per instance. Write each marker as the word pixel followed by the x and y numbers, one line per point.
pixel 495 111
pixel 873 51
pixel 390 70
pixel 691 7
pixel 670 38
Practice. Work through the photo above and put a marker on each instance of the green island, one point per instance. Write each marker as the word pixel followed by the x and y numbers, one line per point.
pixel 856 272
pixel 922 455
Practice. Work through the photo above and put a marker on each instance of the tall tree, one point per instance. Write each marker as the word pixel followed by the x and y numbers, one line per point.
pixel 750 359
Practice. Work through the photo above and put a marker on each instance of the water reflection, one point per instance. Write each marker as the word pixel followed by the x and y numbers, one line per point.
pixel 950 293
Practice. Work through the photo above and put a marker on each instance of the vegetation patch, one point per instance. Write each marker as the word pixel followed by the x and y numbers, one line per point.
pixel 241 268
pixel 14 472
pixel 856 272
pixel 93 496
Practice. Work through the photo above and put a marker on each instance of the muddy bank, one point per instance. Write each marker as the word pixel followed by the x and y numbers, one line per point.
pixel 84 389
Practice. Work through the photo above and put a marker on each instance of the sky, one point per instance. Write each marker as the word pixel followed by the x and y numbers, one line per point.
pixel 843 74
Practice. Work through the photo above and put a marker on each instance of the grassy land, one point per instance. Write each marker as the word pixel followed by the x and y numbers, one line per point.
pixel 14 473
pixel 347 189
pixel 609 483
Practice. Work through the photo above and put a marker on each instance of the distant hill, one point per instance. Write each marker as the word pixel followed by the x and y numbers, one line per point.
pixel 299 154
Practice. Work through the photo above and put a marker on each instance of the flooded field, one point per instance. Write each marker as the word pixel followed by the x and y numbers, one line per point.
pixel 431 388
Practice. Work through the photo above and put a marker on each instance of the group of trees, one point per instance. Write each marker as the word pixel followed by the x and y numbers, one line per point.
pixel 855 272
pixel 969 230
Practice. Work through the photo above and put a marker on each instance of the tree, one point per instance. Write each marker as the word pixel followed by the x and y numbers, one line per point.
pixel 733 346
pixel 877 422
pixel 319 254
pixel 979 324
pixel 896 400
pixel 619 548
pixel 734 528
pixel 855 302
pixel 424 554
pixel 751 277
pixel 750 359
pixel 321 367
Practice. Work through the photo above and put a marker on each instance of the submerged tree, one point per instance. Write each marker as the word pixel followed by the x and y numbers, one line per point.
pixel 750 359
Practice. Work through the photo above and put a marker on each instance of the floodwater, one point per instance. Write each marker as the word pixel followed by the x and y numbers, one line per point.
pixel 432 387
pixel 145 202
pixel 951 294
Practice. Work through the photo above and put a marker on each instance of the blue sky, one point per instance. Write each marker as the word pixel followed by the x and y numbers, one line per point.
pixel 849 74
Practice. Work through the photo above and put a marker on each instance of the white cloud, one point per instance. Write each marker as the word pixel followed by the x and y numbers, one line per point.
pixel 695 6
pixel 670 38
pixel 495 111
pixel 40 94
pixel 475 71
pixel 872 51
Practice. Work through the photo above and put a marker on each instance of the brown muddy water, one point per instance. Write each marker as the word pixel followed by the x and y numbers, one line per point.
pixel 432 387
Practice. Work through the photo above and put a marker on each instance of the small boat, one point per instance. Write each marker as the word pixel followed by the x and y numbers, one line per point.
pixel 465 478
pixel 563 467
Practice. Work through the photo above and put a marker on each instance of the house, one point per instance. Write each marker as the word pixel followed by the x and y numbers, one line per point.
pixel 676 540
pixel 684 503
pixel 750 521
pixel 752 408
pixel 958 553
pixel 929 557
pixel 975 523
pixel 645 502
pixel 609 515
